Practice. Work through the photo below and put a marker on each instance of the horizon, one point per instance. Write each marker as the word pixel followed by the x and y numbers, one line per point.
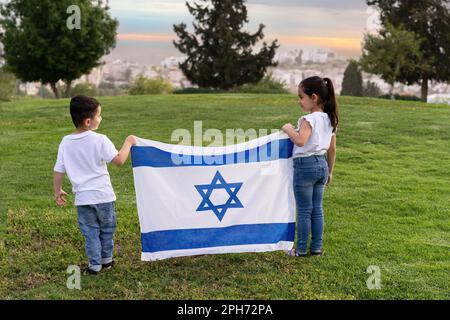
pixel 145 32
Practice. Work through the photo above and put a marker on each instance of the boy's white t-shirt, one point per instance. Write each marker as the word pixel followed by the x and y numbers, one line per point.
pixel 320 139
pixel 84 157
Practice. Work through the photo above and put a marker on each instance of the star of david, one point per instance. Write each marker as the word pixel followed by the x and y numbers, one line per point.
pixel 219 182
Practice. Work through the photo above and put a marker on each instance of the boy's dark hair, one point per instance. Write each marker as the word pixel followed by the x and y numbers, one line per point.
pixel 82 108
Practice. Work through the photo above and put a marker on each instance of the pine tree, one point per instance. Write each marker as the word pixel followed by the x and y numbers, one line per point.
pixel 352 84
pixel 219 54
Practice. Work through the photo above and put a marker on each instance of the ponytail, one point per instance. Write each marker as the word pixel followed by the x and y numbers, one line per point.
pixel 331 106
pixel 324 89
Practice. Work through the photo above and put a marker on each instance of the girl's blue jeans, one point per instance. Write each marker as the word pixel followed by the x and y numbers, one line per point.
pixel 97 224
pixel 310 178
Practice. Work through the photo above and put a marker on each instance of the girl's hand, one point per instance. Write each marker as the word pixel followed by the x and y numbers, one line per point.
pixel 288 127
pixel 60 198
pixel 330 179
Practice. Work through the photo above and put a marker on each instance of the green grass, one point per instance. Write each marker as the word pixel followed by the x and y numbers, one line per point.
pixel 388 206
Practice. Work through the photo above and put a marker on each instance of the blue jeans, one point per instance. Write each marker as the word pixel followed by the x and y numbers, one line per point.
pixel 97 224
pixel 310 178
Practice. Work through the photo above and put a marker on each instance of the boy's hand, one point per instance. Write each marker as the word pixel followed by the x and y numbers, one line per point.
pixel 120 159
pixel 131 140
pixel 60 198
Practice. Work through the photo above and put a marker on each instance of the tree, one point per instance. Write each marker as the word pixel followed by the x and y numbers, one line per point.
pixel 219 54
pixel 41 45
pixel 352 84
pixel 429 20
pixel 392 53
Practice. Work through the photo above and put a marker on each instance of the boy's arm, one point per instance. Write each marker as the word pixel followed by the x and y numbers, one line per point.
pixel 331 158
pixel 122 157
pixel 60 194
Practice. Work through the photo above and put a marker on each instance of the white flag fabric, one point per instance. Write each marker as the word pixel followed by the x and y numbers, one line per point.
pixel 213 200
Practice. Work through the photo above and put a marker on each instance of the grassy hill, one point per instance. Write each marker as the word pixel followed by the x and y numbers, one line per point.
pixel 388 206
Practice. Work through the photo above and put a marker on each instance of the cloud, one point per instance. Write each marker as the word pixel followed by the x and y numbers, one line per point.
pixel 145 37
pixel 157 16
pixel 166 7
pixel 171 6
pixel 312 22
pixel 323 4
pixel 309 21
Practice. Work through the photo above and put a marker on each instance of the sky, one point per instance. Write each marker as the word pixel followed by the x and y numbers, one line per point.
pixel 146 26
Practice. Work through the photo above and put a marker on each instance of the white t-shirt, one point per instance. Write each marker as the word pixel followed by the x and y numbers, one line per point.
pixel 84 157
pixel 320 139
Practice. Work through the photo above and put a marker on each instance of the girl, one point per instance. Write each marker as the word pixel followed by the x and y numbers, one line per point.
pixel 315 138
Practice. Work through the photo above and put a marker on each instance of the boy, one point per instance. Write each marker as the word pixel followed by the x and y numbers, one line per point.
pixel 83 155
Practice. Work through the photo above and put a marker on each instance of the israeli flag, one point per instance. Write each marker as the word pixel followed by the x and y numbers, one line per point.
pixel 214 200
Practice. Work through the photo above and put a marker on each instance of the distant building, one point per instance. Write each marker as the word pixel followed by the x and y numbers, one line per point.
pixel 30 88
pixel 95 77
pixel 292 57
pixel 172 62
pixel 315 56
pixel 294 66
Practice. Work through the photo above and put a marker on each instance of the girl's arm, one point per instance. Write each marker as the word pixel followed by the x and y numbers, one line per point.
pixel 122 157
pixel 299 138
pixel 331 158
pixel 60 194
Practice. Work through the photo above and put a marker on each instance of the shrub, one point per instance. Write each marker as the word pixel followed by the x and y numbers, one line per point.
pixel 84 88
pixel 7 85
pixel 194 90
pixel 371 90
pixel 109 89
pixel 267 85
pixel 401 97
pixel 142 85
pixel 45 93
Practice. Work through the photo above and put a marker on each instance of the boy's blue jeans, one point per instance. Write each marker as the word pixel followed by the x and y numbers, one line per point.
pixel 310 178
pixel 97 224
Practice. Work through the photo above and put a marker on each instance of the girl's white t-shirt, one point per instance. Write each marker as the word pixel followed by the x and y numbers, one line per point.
pixel 320 139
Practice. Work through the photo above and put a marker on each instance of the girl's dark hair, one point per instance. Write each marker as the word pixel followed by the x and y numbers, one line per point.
pixel 81 108
pixel 324 89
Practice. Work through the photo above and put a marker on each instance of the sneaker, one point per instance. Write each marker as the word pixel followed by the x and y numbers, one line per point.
pixel 295 253
pixel 108 265
pixel 89 271
pixel 316 253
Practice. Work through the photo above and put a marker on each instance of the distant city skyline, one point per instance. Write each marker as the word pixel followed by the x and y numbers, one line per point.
pixel 145 33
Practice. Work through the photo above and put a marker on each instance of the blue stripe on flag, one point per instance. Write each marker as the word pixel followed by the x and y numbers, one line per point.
pixel 154 157
pixel 186 239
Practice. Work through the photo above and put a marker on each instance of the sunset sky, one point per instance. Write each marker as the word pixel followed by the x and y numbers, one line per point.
pixel 146 26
